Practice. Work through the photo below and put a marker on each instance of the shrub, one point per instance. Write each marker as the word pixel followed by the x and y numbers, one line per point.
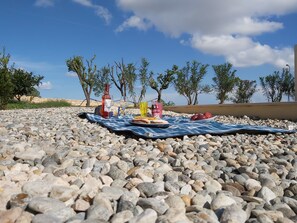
pixel 6 86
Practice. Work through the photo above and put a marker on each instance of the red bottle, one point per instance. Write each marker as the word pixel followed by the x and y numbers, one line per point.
pixel 106 102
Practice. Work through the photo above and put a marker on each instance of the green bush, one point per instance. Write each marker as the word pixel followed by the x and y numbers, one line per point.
pixel 6 86
pixel 24 83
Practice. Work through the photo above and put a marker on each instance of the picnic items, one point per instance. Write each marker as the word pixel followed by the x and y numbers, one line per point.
pixel 149 120
pixel 143 106
pixel 152 122
pixel 201 116
pixel 106 103
pixel 157 108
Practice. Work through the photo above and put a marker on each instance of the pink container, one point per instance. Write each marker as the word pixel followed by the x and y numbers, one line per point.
pixel 157 109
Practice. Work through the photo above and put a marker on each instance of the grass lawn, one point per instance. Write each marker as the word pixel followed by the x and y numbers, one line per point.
pixel 30 105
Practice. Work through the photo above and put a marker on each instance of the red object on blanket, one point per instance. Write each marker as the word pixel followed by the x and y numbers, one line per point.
pixel 200 116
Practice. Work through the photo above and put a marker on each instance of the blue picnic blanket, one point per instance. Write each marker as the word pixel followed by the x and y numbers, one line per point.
pixel 179 126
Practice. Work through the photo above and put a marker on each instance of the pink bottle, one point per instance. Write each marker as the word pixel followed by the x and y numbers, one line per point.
pixel 157 109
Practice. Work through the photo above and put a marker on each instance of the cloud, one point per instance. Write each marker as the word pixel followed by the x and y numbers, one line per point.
pixel 46 85
pixel 212 24
pixel 242 51
pixel 99 10
pixel 44 3
pixel 33 66
pixel 136 22
pixel 71 74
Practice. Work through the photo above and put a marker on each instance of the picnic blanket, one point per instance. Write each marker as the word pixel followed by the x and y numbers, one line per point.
pixel 179 126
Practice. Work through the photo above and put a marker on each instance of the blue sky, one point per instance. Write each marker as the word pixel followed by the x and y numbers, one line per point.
pixel 257 37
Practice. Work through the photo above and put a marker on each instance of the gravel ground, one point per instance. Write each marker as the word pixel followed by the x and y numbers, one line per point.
pixel 56 167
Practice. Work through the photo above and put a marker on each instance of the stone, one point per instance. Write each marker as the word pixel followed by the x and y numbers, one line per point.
pixel 62 214
pixel 30 154
pixel 147 216
pixel 116 173
pixel 44 218
pixel 221 201
pixel 112 193
pixel 159 206
pixel 98 212
pixel 81 205
pixel 147 189
pixel 252 184
pixel 122 217
pixel 19 200
pixel 233 213
pixel 37 188
pixel 213 186
pixel 25 217
pixel 45 204
pixel 266 194
pixel 63 193
pixel 272 215
pixel 10 215
pixel 174 215
pixel 201 200
pixel 175 202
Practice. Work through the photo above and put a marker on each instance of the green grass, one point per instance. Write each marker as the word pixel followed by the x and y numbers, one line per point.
pixel 29 105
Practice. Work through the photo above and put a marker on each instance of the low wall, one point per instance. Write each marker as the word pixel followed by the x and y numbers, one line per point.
pixel 277 110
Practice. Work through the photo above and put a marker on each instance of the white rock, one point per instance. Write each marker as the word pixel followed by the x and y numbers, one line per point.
pixel 252 184
pixel 221 200
pixel 266 194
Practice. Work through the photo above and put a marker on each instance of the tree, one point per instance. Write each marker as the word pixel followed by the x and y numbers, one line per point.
pixel 6 86
pixel 123 77
pixel 86 74
pixel 33 94
pixel 169 103
pixel 224 81
pixel 24 83
pixel 245 89
pixel 143 77
pixel 288 83
pixel 101 78
pixel 272 87
pixel 187 82
pixel 163 81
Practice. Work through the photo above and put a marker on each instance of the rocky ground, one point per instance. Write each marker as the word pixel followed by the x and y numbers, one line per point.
pixel 56 167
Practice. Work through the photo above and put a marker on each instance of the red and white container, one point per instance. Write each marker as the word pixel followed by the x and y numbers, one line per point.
pixel 157 109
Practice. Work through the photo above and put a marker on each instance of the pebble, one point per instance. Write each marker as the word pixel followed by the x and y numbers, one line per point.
pixel 57 167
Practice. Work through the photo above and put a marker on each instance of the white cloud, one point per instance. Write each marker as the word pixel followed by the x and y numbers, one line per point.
pixel 224 27
pixel 33 66
pixel 242 51
pixel 99 10
pixel 44 3
pixel 71 74
pixel 134 21
pixel 45 85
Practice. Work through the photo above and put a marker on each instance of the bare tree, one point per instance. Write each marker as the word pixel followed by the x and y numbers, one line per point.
pixel 163 81
pixel 86 74
pixel 123 77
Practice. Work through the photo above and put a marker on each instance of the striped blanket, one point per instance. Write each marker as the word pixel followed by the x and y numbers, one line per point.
pixel 179 126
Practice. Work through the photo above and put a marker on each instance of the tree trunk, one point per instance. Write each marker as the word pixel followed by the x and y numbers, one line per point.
pixel 159 96
pixel 88 98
